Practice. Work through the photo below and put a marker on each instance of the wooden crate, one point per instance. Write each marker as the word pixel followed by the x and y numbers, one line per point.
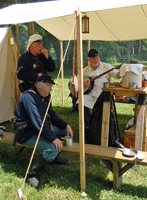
pixel 129 138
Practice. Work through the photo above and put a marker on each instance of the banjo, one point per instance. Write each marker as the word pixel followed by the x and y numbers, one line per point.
pixel 91 80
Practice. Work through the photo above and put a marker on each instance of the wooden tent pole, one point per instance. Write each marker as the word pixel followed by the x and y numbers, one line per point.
pixel 88 49
pixel 17 81
pixel 17 35
pixel 88 45
pixel 62 70
pixel 81 105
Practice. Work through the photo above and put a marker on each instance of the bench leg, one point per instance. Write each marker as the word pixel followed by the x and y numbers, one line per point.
pixel 117 180
pixel 20 150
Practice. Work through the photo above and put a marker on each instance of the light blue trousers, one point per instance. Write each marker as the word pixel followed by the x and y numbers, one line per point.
pixel 48 149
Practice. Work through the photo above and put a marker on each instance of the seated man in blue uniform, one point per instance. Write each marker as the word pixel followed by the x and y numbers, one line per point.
pixel 35 62
pixel 32 107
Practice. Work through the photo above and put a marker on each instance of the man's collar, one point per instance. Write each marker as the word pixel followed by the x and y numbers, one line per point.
pixel 32 54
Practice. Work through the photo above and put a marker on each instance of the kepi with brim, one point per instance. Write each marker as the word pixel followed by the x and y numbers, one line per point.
pixel 45 78
pixel 93 53
pixel 34 38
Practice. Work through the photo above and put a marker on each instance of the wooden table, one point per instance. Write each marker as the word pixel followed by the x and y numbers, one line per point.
pixel 141 133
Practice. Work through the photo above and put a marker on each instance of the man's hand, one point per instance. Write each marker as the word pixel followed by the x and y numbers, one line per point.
pixel 144 68
pixel 118 75
pixel 143 77
pixel 69 131
pixel 58 144
pixel 45 52
pixel 39 74
pixel 86 84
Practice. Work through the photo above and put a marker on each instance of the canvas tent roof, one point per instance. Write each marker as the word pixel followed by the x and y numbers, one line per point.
pixel 117 24
pixel 8 63
pixel 113 20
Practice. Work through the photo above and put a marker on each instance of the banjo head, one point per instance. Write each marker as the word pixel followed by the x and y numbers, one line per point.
pixel 73 86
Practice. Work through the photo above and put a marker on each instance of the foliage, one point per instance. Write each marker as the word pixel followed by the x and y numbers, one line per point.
pixel 4 3
pixel 111 60
pixel 109 51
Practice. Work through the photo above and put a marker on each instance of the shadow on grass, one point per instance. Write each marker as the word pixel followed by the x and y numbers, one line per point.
pixel 123 119
pixel 98 177
pixel 133 190
pixel 73 119
pixel 69 176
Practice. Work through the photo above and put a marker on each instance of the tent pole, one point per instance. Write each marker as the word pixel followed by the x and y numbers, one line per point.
pixel 88 45
pixel 81 105
pixel 17 81
pixel 62 70
pixel 17 35
pixel 88 48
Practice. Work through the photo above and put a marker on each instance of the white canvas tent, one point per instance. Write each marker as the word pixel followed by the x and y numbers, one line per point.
pixel 8 63
pixel 115 20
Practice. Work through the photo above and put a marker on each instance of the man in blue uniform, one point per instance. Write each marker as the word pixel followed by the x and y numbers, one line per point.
pixel 35 62
pixel 32 107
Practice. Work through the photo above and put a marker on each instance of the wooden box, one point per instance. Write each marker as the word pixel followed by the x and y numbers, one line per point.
pixel 129 138
pixel 144 83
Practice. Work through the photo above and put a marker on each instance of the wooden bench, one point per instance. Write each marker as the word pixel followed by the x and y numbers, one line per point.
pixel 111 156
pixel 8 139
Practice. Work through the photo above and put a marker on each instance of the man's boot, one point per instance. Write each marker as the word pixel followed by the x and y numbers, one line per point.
pixel 59 161
pixel 35 168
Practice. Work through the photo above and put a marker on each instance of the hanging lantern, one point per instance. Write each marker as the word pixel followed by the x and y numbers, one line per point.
pixel 31 28
pixel 85 24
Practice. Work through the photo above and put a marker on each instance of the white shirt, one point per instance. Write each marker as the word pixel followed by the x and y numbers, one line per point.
pixel 90 99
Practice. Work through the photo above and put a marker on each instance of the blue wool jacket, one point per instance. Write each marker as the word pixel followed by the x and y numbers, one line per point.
pixel 31 108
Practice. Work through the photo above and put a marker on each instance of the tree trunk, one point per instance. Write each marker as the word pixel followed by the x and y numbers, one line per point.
pixel 139 50
pixel 128 52
pixel 132 49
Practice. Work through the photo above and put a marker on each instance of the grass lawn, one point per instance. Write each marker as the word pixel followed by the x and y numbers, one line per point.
pixel 63 182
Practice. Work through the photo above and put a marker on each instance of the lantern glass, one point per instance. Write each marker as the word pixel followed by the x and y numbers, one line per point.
pixel 85 24
pixel 11 39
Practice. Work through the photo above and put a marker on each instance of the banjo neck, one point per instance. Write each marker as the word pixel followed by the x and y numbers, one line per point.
pixel 117 67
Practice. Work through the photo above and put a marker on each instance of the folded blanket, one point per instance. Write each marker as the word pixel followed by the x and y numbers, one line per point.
pixel 135 68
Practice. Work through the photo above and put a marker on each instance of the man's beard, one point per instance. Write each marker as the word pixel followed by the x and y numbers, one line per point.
pixel 95 65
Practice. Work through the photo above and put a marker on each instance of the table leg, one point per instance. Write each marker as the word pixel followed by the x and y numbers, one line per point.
pixel 117 180
pixel 140 133
pixel 144 144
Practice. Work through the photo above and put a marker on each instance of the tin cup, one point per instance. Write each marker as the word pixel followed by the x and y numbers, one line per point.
pixel 106 84
pixel 67 141
pixel 133 85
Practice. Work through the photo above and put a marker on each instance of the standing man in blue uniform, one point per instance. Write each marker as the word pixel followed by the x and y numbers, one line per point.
pixel 35 62
pixel 32 107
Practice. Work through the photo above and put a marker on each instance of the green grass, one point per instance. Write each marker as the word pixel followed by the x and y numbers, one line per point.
pixel 63 182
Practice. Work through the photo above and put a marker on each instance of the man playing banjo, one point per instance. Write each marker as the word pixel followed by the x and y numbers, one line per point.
pixel 94 69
